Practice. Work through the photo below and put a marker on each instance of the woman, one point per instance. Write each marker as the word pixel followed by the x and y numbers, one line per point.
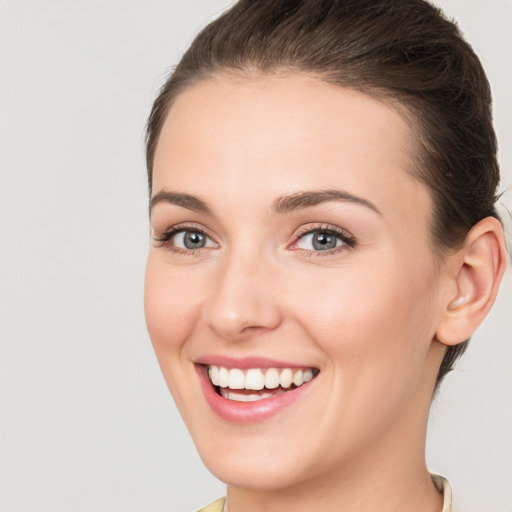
pixel 323 178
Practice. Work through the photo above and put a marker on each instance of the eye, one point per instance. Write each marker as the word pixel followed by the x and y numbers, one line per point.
pixel 185 239
pixel 319 241
pixel 188 239
pixel 323 239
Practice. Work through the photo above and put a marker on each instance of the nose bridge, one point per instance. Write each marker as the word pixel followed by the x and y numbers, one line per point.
pixel 242 299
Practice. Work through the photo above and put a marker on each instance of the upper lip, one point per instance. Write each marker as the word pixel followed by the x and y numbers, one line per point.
pixel 247 362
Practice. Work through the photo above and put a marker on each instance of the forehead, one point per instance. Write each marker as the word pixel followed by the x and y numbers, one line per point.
pixel 283 133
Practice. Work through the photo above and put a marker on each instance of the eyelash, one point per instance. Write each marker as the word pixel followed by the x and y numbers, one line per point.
pixel 349 241
pixel 165 238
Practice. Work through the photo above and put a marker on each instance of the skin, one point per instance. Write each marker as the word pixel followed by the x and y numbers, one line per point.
pixel 366 316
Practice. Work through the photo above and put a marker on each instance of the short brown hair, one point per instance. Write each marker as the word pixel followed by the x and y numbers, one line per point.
pixel 405 51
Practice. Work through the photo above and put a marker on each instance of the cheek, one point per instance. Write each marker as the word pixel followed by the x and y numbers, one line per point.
pixel 171 305
pixel 378 317
pixel 375 327
pixel 172 308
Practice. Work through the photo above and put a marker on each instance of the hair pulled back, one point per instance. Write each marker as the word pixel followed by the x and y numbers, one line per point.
pixel 402 51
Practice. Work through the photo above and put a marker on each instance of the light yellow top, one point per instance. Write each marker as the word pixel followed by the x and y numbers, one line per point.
pixel 443 486
pixel 216 506
pixel 441 483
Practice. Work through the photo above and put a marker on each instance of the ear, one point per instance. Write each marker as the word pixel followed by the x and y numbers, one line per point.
pixel 475 273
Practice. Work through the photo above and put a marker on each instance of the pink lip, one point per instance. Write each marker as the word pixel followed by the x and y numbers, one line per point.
pixel 246 362
pixel 248 412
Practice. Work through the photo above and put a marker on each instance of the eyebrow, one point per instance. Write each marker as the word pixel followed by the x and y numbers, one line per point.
pixel 299 200
pixel 187 201
pixel 283 204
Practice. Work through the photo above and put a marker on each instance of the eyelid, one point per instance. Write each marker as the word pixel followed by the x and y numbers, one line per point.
pixel 166 236
pixel 349 241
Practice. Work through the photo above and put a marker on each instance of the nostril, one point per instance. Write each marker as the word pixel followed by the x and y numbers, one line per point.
pixel 253 329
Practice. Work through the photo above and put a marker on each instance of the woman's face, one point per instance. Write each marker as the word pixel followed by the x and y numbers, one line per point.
pixel 290 242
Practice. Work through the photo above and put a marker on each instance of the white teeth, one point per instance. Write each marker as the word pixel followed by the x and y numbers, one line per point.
pixel 213 373
pixel 256 379
pixel 308 375
pixel 223 377
pixel 239 397
pixel 286 378
pixel 236 379
pixel 272 378
pixel 298 377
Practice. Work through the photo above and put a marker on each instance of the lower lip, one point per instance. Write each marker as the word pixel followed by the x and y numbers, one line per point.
pixel 248 412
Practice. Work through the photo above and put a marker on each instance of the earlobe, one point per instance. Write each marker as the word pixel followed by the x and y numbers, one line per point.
pixel 478 268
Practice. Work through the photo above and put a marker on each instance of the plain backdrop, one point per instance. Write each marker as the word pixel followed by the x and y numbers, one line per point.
pixel 87 423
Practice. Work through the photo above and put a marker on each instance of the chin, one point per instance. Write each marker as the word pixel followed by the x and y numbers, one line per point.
pixel 258 474
pixel 260 458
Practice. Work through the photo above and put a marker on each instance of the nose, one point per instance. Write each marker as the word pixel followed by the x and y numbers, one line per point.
pixel 243 299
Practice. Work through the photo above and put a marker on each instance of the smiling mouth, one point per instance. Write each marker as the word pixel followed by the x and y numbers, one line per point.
pixel 255 384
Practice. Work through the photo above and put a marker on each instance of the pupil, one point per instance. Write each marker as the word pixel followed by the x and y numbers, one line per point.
pixel 323 242
pixel 194 240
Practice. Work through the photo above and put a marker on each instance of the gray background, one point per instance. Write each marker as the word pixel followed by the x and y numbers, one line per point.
pixel 86 420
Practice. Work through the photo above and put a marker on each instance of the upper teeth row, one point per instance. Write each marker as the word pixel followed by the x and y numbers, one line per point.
pixel 254 378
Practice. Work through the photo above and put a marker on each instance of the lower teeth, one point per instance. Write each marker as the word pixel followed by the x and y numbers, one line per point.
pixel 240 396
